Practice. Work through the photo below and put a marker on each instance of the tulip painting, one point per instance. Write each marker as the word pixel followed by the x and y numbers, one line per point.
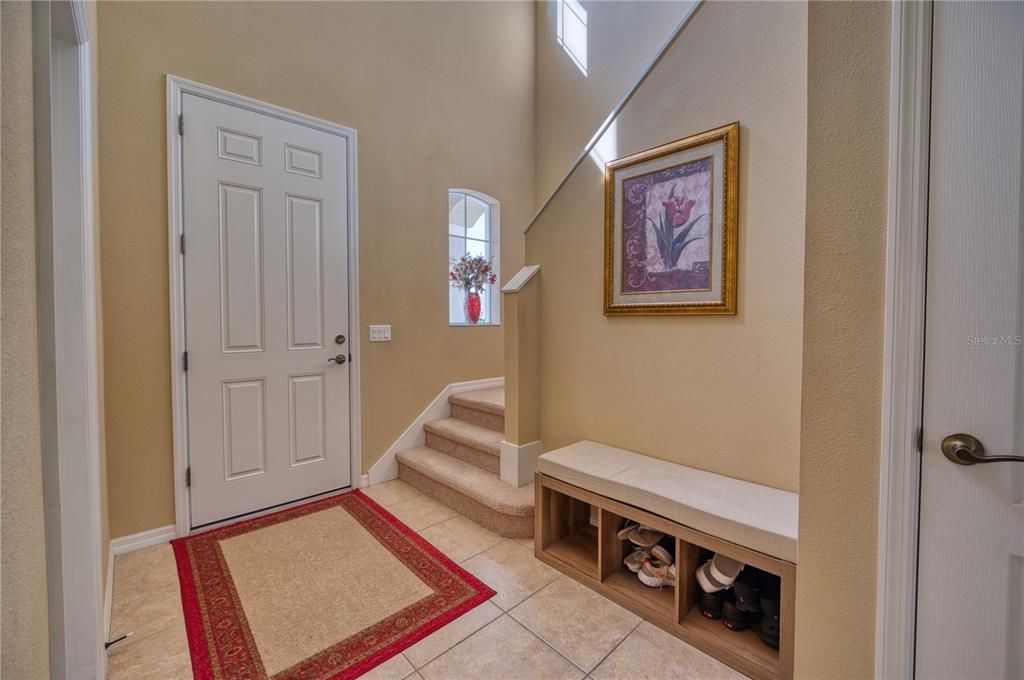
pixel 670 223
pixel 666 229
pixel 674 227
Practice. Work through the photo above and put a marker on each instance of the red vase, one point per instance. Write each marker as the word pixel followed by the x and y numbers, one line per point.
pixel 472 306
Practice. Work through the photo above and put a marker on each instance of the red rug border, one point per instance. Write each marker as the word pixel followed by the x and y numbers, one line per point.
pixel 198 649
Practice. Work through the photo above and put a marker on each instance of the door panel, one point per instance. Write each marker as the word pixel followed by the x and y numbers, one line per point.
pixel 305 276
pixel 308 406
pixel 972 519
pixel 245 431
pixel 241 268
pixel 265 216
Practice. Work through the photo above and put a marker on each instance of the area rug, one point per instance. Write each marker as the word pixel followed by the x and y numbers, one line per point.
pixel 322 591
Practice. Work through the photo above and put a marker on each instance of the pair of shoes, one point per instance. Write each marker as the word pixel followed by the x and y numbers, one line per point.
pixel 764 609
pixel 744 609
pixel 635 560
pixel 657 574
pixel 715 577
pixel 750 605
pixel 639 535
pixel 658 570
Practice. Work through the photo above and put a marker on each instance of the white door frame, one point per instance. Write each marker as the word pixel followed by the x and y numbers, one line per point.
pixel 903 395
pixel 67 336
pixel 176 87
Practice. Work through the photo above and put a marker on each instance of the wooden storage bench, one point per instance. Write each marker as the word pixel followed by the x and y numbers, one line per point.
pixel 587 491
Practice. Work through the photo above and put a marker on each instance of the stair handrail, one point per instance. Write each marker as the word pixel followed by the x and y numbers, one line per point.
pixel 618 108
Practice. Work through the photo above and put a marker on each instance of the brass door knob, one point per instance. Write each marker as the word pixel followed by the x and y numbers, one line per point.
pixel 963 449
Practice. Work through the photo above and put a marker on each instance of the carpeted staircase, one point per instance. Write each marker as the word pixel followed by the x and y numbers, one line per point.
pixel 459 465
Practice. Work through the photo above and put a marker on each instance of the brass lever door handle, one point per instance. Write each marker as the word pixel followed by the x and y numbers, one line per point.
pixel 963 449
pixel 339 359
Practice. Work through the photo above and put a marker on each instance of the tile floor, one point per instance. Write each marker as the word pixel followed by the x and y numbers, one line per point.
pixel 540 625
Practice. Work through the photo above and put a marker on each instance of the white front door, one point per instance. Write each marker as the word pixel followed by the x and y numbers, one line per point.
pixel 266 309
pixel 970 604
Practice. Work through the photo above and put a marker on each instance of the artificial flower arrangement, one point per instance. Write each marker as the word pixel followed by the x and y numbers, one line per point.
pixel 471 273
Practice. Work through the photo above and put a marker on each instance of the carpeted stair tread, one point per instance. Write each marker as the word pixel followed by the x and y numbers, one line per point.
pixel 469 480
pixel 491 400
pixel 468 434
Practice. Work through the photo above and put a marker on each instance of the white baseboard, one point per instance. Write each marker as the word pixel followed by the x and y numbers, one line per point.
pixel 387 467
pixel 364 481
pixel 143 539
pixel 519 462
pixel 108 593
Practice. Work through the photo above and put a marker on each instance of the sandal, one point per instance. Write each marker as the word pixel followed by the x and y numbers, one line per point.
pixel 645 537
pixel 657 574
pixel 662 555
pixel 635 560
pixel 718 573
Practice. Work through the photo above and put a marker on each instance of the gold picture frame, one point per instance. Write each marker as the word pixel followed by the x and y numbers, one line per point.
pixel 671 227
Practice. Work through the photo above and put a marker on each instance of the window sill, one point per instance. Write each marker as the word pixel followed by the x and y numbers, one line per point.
pixel 473 325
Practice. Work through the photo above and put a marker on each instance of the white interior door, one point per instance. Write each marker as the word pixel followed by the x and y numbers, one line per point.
pixel 970 614
pixel 266 309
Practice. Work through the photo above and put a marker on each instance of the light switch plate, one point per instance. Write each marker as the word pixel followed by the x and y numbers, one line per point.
pixel 380 333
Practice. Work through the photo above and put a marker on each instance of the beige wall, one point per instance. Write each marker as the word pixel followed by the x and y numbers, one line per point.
pixel 466 121
pixel 847 155
pixel 24 647
pixel 623 37
pixel 718 393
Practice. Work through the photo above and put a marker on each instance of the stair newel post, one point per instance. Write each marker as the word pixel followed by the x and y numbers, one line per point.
pixel 522 318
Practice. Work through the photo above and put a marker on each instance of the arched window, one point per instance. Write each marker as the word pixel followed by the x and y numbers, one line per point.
pixel 474 229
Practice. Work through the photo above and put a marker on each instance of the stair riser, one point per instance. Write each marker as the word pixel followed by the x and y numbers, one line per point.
pixel 482 418
pixel 508 526
pixel 482 459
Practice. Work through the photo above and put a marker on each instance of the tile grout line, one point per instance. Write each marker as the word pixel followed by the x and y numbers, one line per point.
pixel 501 613
pixel 536 592
pixel 477 553
pixel 602 659
pixel 464 640
pixel 546 643
pixel 617 645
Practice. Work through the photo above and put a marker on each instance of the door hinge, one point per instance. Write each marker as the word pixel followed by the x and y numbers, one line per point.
pixel 188 476
pixel 181 123
pixel 184 361
pixel 181 246
pixel 919 440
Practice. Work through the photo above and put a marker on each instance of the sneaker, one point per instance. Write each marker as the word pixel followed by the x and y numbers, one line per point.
pixel 748 598
pixel 736 619
pixel 657 574
pixel 711 604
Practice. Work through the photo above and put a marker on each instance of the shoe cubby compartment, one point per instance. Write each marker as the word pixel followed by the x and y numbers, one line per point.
pixel 657 602
pixel 568 533
pixel 577 533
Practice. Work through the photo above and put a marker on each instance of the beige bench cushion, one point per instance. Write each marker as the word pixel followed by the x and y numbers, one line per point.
pixel 754 516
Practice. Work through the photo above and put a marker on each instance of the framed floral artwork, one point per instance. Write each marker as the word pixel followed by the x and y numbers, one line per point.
pixel 671 227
